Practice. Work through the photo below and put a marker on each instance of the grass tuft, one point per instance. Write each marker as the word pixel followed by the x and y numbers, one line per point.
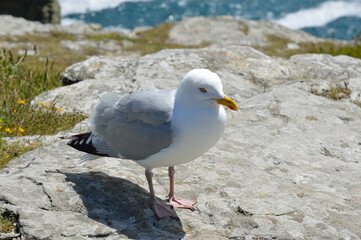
pixel 19 84
pixel 8 222
pixel 14 150
pixel 336 93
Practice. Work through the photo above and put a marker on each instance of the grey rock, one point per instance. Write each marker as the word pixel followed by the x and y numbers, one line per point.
pixel 287 167
pixel 248 73
pixel 276 173
pixel 13 26
pixel 96 68
pixel 354 84
pixel 226 30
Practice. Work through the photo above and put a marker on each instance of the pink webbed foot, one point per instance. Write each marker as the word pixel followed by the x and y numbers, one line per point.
pixel 181 203
pixel 163 210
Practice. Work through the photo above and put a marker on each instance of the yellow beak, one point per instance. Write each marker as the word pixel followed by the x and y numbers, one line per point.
pixel 226 101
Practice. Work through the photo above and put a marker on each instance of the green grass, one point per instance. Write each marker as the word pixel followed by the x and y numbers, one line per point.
pixel 278 47
pixel 15 149
pixel 19 84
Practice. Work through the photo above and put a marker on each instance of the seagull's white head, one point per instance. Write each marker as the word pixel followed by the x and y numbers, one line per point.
pixel 202 87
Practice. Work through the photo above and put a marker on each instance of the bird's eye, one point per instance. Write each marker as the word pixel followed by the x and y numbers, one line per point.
pixel 203 90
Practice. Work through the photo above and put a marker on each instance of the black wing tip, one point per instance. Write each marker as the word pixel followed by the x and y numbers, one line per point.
pixel 84 142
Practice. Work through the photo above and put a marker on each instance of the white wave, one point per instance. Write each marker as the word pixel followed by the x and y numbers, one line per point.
pixel 321 15
pixel 83 6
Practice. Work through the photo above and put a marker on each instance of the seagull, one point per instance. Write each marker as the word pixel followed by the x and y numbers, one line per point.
pixel 159 128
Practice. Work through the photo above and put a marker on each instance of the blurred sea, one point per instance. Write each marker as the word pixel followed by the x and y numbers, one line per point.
pixel 340 19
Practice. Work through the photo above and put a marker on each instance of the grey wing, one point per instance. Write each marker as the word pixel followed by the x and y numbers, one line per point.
pixel 137 125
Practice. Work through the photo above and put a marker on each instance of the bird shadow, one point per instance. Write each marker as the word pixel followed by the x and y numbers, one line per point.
pixel 122 205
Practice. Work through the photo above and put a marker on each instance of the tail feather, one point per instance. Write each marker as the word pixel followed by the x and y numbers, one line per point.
pixel 95 145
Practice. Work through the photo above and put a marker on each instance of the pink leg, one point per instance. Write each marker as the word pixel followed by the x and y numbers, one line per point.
pixel 160 210
pixel 174 201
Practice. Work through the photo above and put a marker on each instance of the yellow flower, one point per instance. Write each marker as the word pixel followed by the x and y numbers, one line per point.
pixel 21 101
pixel 61 109
pixel 21 130
pixel 0 127
pixel 7 156
pixel 14 110
pixel 57 108
pixel 8 130
pixel 41 103
pixel 1 120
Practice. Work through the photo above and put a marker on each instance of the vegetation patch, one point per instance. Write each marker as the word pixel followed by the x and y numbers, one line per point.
pixel 278 47
pixel 47 48
pixel 19 84
pixel 107 36
pixel 14 150
pixel 8 222
pixel 336 93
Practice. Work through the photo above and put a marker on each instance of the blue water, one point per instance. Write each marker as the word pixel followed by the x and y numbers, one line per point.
pixel 338 18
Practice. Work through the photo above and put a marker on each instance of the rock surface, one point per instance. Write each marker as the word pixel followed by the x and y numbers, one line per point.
pixel 288 166
pixel 226 30
pixel 246 73
pixel 14 26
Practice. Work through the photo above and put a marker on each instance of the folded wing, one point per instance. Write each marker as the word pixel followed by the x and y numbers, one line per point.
pixel 135 126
